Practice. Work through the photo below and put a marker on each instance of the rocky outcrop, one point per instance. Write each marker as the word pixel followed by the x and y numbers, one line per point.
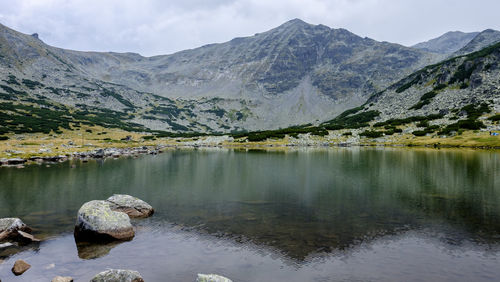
pixel 211 278
pixel 14 229
pixel 132 206
pixel 62 279
pixel 97 222
pixel 20 267
pixel 118 275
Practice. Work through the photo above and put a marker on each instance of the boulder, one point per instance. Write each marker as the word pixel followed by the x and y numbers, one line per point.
pixel 132 206
pixel 62 279
pixel 98 154
pixel 118 275
pixel 211 278
pixel 20 267
pixel 97 222
pixel 13 229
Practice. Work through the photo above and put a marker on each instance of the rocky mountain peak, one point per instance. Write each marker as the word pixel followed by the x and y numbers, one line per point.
pixel 447 43
pixel 483 39
pixel 295 23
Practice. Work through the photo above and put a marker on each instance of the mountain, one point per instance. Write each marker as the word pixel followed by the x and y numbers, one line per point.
pixel 447 43
pixel 480 41
pixel 441 99
pixel 296 73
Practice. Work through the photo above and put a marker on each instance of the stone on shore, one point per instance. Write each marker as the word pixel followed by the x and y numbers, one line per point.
pixel 97 222
pixel 132 206
pixel 118 275
pixel 62 279
pixel 211 278
pixel 20 266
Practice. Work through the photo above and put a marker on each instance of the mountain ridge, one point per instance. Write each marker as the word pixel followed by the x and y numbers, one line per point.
pixel 295 73
pixel 447 43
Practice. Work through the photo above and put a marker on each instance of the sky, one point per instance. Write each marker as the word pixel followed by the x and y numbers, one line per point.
pixel 155 27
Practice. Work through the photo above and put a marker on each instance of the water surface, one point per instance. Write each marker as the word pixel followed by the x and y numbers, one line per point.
pixel 340 214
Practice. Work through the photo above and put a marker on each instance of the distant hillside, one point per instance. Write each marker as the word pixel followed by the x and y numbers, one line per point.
pixel 447 43
pixel 440 99
pixel 482 40
pixel 295 73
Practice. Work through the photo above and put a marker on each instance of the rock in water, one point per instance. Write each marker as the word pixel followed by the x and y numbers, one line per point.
pixel 9 228
pixel 6 245
pixel 118 275
pixel 62 279
pixel 97 222
pixel 211 278
pixel 132 206
pixel 26 237
pixel 20 266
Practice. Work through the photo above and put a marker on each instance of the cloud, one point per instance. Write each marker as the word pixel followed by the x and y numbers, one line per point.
pixel 162 27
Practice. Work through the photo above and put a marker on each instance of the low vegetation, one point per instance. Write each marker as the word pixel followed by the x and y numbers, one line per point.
pixel 347 121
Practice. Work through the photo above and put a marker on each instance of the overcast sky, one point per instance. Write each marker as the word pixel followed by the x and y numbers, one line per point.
pixel 165 26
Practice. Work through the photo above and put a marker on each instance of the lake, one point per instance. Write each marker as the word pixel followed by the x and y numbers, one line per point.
pixel 333 214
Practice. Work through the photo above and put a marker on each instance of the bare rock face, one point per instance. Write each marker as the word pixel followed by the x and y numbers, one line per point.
pixel 132 206
pixel 211 278
pixel 14 229
pixel 62 279
pixel 20 266
pixel 97 222
pixel 118 275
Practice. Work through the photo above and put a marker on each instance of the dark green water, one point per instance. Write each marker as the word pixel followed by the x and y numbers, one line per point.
pixel 305 215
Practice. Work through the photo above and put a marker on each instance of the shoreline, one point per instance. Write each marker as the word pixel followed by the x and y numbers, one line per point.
pixel 134 151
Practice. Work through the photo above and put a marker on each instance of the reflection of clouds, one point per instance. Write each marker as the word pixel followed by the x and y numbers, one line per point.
pixel 169 254
pixel 300 202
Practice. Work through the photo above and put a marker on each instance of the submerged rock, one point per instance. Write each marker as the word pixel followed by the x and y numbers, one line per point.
pixel 118 275
pixel 97 222
pixel 211 278
pixel 62 279
pixel 20 267
pixel 132 206
pixel 89 250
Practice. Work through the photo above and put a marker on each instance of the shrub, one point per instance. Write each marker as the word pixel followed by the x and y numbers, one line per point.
pixel 423 123
pixel 495 117
pixel 353 121
pixel 371 134
pixel 420 132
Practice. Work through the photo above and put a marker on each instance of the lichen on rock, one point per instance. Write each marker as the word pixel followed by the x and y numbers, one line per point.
pixel 97 222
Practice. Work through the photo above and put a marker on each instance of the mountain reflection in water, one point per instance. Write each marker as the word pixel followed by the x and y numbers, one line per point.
pixel 300 203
